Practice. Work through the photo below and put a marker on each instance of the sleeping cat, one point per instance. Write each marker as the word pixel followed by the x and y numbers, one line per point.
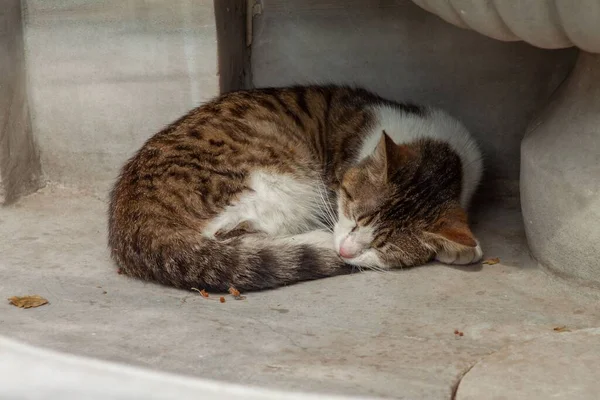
pixel 267 187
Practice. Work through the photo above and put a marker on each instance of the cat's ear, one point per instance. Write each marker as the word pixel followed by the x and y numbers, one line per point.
pixel 452 231
pixel 390 155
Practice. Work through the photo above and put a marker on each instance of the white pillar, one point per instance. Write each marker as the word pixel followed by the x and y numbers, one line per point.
pixel 560 177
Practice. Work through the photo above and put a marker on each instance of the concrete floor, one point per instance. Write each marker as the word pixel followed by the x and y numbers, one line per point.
pixel 374 334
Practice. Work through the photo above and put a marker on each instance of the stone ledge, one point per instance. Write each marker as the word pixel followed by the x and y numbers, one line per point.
pixel 557 365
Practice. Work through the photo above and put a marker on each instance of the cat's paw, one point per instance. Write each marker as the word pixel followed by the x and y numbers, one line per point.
pixel 468 255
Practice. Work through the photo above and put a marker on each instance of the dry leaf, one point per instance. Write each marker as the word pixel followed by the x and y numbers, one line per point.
pixel 222 299
pixel 561 329
pixel 202 292
pixel 28 301
pixel 491 261
pixel 236 293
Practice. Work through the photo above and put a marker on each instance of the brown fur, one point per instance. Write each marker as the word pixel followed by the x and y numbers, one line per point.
pixel 185 175
pixel 410 193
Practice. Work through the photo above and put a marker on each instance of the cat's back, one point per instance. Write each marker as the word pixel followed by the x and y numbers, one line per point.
pixel 191 170
pixel 276 128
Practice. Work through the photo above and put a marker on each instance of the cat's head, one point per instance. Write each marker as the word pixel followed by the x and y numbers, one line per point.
pixel 400 206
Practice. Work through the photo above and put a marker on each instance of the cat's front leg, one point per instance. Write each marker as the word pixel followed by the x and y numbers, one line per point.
pixel 241 229
pixel 460 256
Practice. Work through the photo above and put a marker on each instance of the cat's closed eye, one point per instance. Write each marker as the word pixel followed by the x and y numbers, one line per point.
pixel 381 239
pixel 365 219
pixel 248 211
pixel 347 194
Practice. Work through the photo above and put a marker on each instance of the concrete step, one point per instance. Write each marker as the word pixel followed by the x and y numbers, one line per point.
pixel 371 334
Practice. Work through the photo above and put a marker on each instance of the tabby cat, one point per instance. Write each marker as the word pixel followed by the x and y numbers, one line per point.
pixel 267 187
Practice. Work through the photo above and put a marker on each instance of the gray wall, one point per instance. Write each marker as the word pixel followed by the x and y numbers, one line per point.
pixel 402 52
pixel 19 163
pixel 105 75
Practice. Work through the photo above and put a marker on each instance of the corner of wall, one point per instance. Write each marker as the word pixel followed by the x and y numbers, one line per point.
pixel 20 171
pixel 234 36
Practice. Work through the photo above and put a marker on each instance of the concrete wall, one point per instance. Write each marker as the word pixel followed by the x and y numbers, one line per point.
pixel 19 163
pixel 233 49
pixel 560 176
pixel 105 75
pixel 402 52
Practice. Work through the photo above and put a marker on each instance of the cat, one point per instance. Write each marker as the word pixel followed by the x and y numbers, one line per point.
pixel 266 187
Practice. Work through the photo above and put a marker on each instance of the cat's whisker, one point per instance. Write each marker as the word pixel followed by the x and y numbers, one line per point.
pixel 315 204
pixel 324 204
pixel 323 212
pixel 332 212
pixel 328 204
pixel 377 268
pixel 315 209
pixel 325 199
pixel 325 227
pixel 257 170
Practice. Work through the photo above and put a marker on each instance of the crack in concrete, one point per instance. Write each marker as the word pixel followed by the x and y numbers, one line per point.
pixel 282 334
pixel 462 375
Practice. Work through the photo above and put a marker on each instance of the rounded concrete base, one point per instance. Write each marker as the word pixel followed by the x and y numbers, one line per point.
pixel 560 177
pixel 556 366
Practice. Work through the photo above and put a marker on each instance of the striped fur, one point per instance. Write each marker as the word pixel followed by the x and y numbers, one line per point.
pixel 243 191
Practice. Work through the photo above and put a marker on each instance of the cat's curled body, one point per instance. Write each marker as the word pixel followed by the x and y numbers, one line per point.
pixel 262 188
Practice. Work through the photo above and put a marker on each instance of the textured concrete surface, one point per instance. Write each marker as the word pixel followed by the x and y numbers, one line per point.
pixel 403 52
pixel 105 75
pixel 560 177
pixel 19 161
pixel 373 334
pixel 535 370
pixel 29 372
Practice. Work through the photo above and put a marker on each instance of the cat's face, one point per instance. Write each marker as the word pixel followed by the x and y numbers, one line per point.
pixel 400 206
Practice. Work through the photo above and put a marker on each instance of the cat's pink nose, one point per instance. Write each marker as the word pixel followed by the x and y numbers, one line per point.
pixel 348 249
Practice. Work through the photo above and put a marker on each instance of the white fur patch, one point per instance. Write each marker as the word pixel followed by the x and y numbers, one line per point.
pixel 368 259
pixel 464 256
pixel 318 238
pixel 342 228
pixel 403 127
pixel 279 205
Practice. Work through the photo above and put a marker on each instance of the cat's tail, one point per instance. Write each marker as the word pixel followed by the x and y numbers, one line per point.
pixel 252 262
